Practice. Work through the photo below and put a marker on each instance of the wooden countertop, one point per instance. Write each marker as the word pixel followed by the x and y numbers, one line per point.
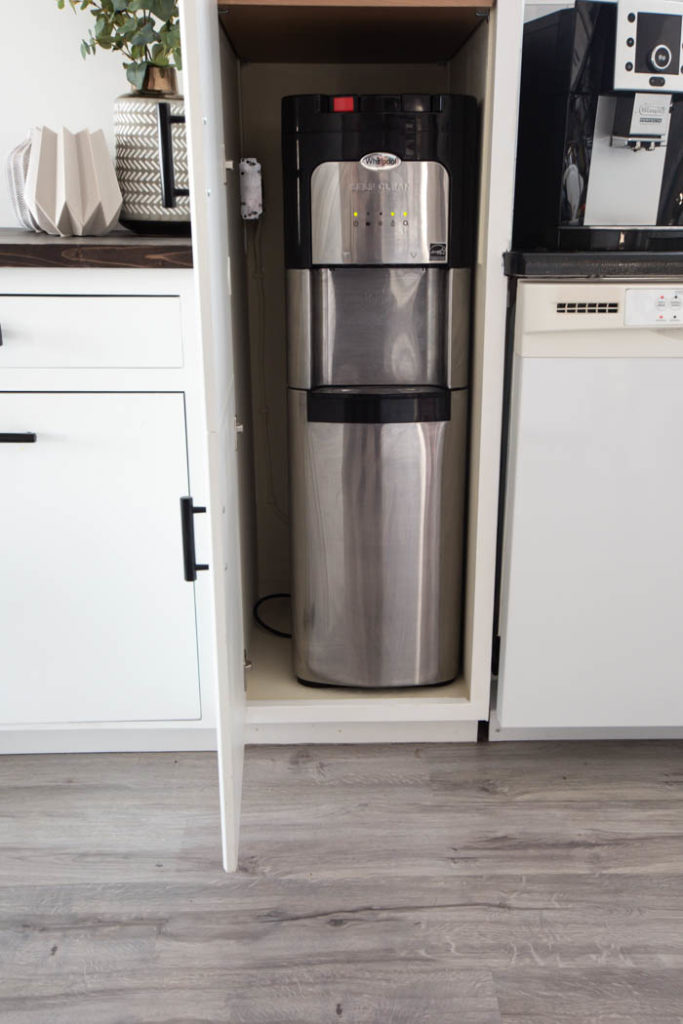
pixel 121 249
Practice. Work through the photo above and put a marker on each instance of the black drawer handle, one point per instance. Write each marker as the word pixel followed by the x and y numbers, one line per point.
pixel 27 438
pixel 188 510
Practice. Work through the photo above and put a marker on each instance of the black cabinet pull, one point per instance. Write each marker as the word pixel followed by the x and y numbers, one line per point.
pixel 166 120
pixel 188 510
pixel 0 334
pixel 26 438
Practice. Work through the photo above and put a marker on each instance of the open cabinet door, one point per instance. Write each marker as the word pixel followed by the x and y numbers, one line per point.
pixel 211 248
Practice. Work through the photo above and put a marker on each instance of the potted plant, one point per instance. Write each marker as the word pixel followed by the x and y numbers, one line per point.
pixel 149 121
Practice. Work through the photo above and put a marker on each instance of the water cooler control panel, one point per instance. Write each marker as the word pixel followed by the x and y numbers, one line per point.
pixel 653 306
pixel 393 213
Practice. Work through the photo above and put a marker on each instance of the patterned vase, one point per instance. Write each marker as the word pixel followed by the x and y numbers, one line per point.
pixel 151 156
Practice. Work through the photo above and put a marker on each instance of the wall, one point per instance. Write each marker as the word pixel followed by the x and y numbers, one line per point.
pixel 44 80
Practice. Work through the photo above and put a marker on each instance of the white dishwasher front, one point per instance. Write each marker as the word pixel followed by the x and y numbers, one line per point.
pixel 591 596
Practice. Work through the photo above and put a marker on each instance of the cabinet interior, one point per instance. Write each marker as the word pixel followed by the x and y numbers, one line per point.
pixel 256 73
pixel 350 32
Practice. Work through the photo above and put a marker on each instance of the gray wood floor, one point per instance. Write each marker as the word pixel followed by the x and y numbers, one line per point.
pixel 516 883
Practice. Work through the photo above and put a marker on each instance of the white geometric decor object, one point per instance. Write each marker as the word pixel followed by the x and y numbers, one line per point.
pixel 17 169
pixel 71 186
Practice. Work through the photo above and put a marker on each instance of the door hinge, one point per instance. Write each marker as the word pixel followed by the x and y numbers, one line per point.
pixel 495 656
pixel 226 165
pixel 248 665
pixel 239 429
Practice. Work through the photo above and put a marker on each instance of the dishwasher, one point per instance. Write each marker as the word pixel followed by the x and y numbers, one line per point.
pixel 591 575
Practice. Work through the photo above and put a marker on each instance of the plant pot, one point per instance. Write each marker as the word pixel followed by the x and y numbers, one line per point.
pixel 151 156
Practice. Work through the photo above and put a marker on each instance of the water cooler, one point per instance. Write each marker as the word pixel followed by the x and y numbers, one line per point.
pixel 380 199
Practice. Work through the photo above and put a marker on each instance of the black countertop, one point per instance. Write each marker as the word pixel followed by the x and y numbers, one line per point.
pixel 593 264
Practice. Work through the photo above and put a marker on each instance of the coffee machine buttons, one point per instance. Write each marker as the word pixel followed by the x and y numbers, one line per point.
pixel 647 46
pixel 660 58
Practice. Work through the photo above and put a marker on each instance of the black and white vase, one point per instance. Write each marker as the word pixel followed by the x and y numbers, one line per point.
pixel 151 156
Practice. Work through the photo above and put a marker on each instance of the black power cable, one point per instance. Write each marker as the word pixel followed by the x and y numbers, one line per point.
pixel 271 629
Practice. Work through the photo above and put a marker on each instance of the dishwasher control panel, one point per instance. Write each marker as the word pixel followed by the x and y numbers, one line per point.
pixel 652 306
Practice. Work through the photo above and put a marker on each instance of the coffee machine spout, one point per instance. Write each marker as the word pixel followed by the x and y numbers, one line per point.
pixel 641 122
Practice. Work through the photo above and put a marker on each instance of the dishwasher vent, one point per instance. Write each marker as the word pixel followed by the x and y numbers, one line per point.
pixel 587 307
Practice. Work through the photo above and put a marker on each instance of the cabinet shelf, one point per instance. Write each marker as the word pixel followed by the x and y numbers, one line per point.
pixel 353 32
pixel 281 710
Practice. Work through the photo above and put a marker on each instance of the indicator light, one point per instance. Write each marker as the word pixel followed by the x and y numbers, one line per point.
pixel 355 213
pixel 343 104
pixel 405 213
pixel 393 214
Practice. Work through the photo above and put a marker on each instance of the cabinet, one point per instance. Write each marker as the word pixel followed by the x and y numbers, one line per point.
pixel 230 309
pixel 105 644
pixel 236 71
pixel 97 623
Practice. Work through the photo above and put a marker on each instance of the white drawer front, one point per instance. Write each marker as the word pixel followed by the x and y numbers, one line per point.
pixel 87 331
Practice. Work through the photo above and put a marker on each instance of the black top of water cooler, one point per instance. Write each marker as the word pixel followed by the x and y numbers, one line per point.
pixel 318 128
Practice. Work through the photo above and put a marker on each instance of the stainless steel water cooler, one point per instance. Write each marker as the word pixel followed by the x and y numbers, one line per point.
pixel 380 193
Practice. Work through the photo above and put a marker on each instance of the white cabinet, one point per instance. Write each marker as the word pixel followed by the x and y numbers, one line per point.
pixel 105 645
pixel 97 622
pixel 220 336
pixel 230 104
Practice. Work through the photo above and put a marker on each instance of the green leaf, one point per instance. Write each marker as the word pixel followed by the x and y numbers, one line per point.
pixel 164 9
pixel 170 37
pixel 144 35
pixel 135 73
pixel 122 5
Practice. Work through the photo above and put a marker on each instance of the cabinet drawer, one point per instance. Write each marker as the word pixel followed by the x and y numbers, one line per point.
pixel 87 331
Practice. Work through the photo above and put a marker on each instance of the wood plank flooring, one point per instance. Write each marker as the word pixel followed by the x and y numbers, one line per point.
pixel 488 884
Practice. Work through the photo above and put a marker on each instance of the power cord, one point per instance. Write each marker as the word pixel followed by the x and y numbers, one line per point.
pixel 271 629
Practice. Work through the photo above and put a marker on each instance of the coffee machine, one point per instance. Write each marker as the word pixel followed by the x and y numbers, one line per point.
pixel 379 199
pixel 600 147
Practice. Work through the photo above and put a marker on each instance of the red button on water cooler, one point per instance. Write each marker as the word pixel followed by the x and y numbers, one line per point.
pixel 343 104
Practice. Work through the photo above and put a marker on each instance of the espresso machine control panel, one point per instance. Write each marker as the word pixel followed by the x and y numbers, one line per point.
pixel 379 210
pixel 649 46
